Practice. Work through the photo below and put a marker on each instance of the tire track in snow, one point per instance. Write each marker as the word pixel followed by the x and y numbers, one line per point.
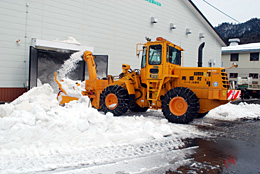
pixel 88 157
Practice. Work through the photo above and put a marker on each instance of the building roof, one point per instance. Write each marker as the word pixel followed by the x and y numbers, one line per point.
pixel 252 47
pixel 207 23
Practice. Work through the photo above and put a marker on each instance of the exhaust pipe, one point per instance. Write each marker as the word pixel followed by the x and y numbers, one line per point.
pixel 200 54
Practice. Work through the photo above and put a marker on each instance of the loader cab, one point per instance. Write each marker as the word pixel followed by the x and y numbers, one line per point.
pixel 173 55
pixel 159 58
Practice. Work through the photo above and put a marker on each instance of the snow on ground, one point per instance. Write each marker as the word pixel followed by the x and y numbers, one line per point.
pixel 34 125
pixel 235 112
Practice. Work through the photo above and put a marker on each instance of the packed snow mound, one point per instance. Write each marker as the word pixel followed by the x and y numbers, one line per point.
pixel 235 112
pixel 35 124
pixel 41 97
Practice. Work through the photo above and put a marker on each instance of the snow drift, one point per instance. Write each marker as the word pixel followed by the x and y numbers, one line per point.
pixel 34 124
pixel 235 112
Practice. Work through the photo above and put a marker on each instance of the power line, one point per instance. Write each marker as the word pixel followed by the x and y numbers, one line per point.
pixel 221 11
pixel 228 15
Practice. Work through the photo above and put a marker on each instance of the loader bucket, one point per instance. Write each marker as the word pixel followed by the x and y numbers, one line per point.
pixel 62 96
pixel 66 99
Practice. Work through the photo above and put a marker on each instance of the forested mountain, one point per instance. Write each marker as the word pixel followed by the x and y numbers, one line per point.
pixel 248 32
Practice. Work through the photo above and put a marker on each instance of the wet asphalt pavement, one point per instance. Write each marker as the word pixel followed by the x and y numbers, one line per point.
pixel 234 148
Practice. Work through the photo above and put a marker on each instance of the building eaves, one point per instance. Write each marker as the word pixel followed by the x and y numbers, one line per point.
pixel 209 24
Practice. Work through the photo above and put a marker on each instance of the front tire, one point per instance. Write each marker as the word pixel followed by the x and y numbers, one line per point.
pixel 180 105
pixel 114 99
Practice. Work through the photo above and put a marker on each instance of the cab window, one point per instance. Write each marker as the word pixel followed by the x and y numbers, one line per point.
pixel 173 55
pixel 155 54
pixel 143 64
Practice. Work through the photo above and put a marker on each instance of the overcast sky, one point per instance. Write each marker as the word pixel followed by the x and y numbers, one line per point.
pixel 241 10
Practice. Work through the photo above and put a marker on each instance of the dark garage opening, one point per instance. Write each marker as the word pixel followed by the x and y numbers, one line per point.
pixel 44 63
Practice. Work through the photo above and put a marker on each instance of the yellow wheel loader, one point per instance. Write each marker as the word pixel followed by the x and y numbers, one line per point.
pixel 183 93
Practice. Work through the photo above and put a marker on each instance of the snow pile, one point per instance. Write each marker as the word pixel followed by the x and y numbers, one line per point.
pixel 35 124
pixel 235 112
pixel 36 134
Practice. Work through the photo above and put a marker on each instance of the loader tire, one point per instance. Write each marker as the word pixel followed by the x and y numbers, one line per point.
pixel 201 115
pixel 138 108
pixel 114 99
pixel 180 105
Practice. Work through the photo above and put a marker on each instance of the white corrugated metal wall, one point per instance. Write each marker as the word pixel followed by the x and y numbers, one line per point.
pixel 112 27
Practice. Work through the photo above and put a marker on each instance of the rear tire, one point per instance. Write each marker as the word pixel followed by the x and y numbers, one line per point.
pixel 180 105
pixel 201 115
pixel 114 99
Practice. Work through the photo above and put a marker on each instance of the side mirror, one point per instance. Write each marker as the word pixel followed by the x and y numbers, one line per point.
pixel 235 65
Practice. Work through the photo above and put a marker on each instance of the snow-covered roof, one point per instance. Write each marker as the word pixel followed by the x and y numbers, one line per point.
pixel 69 44
pixel 252 47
